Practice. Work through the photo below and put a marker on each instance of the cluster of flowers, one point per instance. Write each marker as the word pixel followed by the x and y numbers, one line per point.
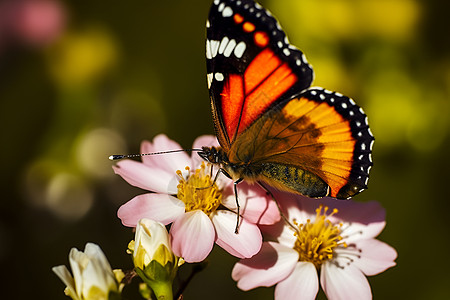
pixel 333 239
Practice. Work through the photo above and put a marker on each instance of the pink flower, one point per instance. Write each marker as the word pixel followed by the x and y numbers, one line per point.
pixel 330 237
pixel 198 217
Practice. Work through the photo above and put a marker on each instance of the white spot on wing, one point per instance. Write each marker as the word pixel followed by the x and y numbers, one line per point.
pixel 209 78
pixel 239 50
pixel 221 7
pixel 227 12
pixel 208 49
pixel 230 47
pixel 286 51
pixel 218 76
pixel 223 44
pixel 214 46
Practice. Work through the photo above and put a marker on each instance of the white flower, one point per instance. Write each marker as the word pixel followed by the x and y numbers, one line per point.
pixel 92 278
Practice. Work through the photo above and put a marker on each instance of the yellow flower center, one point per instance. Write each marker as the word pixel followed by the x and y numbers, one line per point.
pixel 317 240
pixel 197 191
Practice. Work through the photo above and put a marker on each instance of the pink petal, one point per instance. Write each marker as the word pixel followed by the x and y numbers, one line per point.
pixel 271 265
pixel 244 244
pixel 201 141
pixel 367 219
pixel 256 206
pixel 279 232
pixel 344 282
pixel 192 236
pixel 170 162
pixel 303 283
pixel 376 257
pixel 158 207
pixel 144 177
pixel 296 207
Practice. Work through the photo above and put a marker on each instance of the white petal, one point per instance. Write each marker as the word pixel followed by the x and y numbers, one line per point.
pixel 344 283
pixel 64 274
pixel 78 262
pixel 303 283
pixel 244 244
pixel 151 234
pixel 94 252
pixel 376 257
pixel 98 271
pixel 271 265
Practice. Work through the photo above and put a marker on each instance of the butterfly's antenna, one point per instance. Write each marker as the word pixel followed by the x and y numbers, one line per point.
pixel 120 156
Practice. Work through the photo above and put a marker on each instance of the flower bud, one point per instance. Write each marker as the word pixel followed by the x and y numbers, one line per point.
pixel 92 278
pixel 153 258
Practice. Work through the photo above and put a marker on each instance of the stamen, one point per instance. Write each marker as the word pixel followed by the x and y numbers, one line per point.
pixel 197 191
pixel 316 241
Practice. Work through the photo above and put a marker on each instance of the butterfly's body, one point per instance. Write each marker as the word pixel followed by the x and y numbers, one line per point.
pixel 271 125
pixel 283 176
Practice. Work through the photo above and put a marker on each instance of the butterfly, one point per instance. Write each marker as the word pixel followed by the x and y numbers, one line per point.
pixel 272 127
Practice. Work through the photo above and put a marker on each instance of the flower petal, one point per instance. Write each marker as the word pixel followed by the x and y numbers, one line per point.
pixel 244 244
pixel 64 274
pixel 303 283
pixel 192 236
pixel 147 178
pixel 271 265
pixel 367 219
pixel 170 162
pixel 345 283
pixel 256 206
pixel 376 257
pixel 159 207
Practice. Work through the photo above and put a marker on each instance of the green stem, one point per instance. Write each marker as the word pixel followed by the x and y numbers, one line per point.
pixel 162 290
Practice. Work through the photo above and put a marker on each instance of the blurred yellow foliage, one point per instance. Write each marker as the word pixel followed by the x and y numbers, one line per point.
pixel 337 19
pixel 81 57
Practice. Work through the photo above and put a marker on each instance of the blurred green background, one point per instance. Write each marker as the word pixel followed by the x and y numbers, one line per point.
pixel 80 80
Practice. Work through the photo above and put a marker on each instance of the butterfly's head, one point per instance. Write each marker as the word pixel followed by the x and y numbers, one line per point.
pixel 213 155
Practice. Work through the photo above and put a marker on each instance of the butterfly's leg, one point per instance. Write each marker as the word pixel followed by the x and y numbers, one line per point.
pixel 215 178
pixel 236 230
pixel 224 172
pixel 285 219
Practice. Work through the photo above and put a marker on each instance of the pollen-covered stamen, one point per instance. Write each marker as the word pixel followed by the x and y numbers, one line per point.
pixel 316 241
pixel 197 191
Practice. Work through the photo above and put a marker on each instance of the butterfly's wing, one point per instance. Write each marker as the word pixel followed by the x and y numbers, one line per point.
pixel 308 141
pixel 251 67
pixel 317 144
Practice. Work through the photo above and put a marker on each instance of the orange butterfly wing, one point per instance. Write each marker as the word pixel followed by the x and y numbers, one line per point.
pixel 270 125
pixel 323 133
